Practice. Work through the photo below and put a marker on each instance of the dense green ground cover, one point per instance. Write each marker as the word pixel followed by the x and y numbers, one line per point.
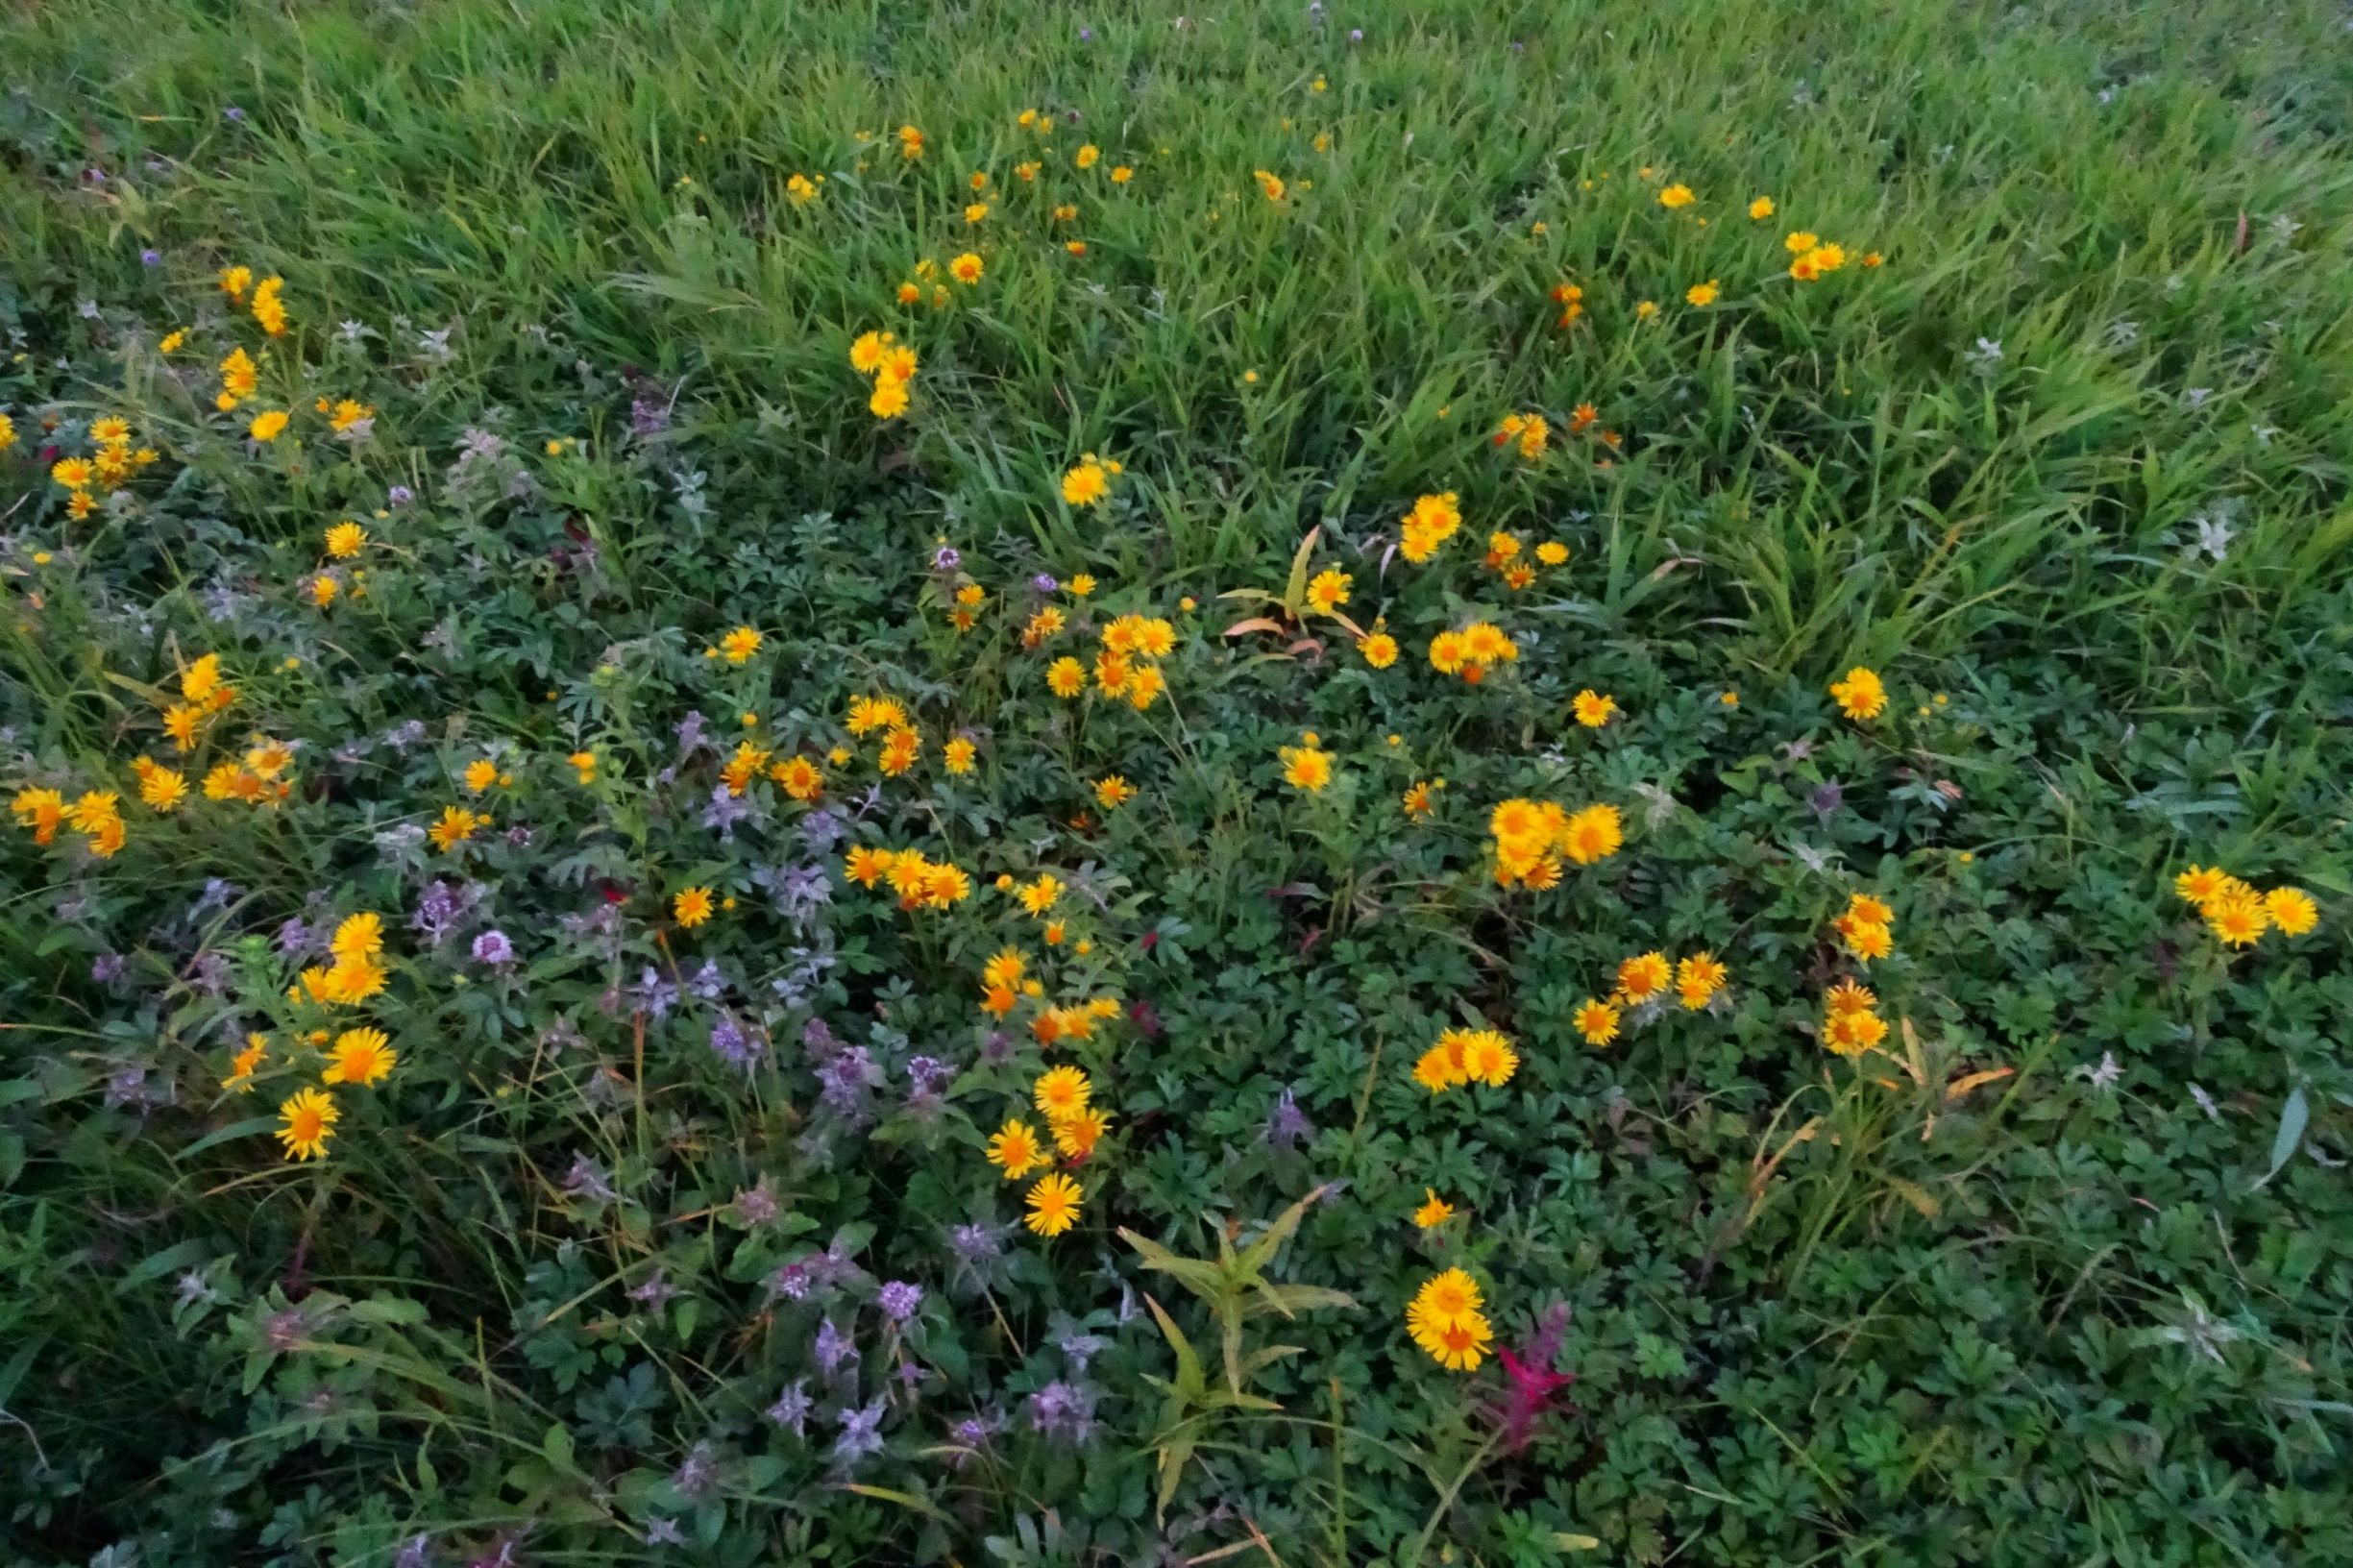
pixel 613 1263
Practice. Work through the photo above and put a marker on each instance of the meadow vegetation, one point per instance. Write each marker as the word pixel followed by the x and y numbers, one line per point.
pixel 1383 783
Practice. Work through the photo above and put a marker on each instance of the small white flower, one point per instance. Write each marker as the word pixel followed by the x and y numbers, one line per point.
pixel 2214 536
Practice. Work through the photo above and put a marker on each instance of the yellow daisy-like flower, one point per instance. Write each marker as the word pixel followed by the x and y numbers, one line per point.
pixel 1594 833
pixel 306 1123
pixel 1015 1150
pixel 346 540
pixel 2292 910
pixel 1847 997
pixel 1076 1135
pixel 692 907
pixel 1593 709
pixel 1702 294
pixel 1861 694
pixel 1114 791
pixel 1306 768
pixel 1036 897
pixel 1379 649
pixel 739 645
pixel 456 825
pixel 1329 590
pixel 2201 885
pixel 1434 1210
pixel 1065 677
pixel 1597 1021
pixel 1644 976
pixel 2239 918
pixel 360 1055
pixel 268 425
pixel 163 789
pixel 1086 485
pixel 1061 1092
pixel 1053 1205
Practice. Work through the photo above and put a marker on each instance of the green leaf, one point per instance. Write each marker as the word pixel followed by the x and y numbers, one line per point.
pixel 2293 1117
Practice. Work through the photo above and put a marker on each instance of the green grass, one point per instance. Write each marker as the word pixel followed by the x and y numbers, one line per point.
pixel 1819 1311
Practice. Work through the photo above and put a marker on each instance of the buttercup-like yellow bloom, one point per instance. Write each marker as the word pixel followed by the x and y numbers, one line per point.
pixel 362 1057
pixel 1053 1205
pixel 306 1123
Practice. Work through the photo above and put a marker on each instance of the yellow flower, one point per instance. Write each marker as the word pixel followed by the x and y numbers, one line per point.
pixel 1761 208
pixel 801 188
pixel 358 937
pixel 692 907
pixel 959 753
pixel 1593 709
pixel 1642 977
pixel 346 540
pixel 243 1064
pixel 899 749
pixel 1675 196
pixel 1434 1210
pixel 1861 695
pixel 2239 918
pixel 1379 648
pixel 1594 833
pixel 1053 1204
pixel 1799 241
pixel 268 425
pixel 1870 940
pixel 480 774
pixel 360 1055
pixel 1269 185
pixel 1036 897
pixel 1306 767
pixel 1849 997
pixel 173 341
pixel 1597 1021
pixel 42 811
pixel 306 1123
pixel 1015 1150
pixel 1702 293
pixel 1114 791
pixel 739 645
pixel 1087 484
pixel 73 473
pixel 966 269
pixel 1697 980
pixel 1328 591
pixel 1121 174
pixel 1077 1135
pixel 456 825
pixel 1444 1318
pixel 1851 1033
pixel 1065 677
pixel 162 788
pixel 1061 1092
pixel 975 211
pixel 2292 910
pixel 584 763
pixel 910 143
